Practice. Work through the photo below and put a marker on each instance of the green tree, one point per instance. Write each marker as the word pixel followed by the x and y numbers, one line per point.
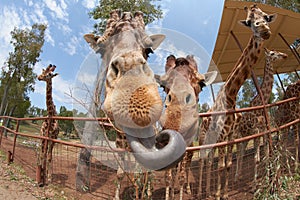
pixel 293 5
pixel 287 79
pixel 101 12
pixel 67 126
pixel 246 94
pixel 17 77
pixel 203 108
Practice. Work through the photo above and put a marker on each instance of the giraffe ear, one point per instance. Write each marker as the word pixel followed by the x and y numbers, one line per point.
pixel 270 18
pixel 245 23
pixel 266 51
pixel 210 77
pixel 157 39
pixel 161 80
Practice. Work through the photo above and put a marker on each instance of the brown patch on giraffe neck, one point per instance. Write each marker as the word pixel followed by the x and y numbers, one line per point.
pixel 49 101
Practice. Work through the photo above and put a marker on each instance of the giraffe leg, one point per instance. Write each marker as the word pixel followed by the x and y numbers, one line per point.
pixel 149 184
pixel 239 158
pixel 228 167
pixel 210 161
pixel 256 160
pixel 187 171
pixel 168 179
pixel 297 146
pixel 221 167
pixel 201 166
pixel 49 161
pixel 181 177
pixel 173 176
pixel 120 176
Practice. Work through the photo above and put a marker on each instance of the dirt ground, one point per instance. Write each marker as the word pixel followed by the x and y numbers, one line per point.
pixel 14 184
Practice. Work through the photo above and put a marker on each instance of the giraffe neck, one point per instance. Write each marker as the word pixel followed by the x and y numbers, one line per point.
pixel 49 101
pixel 239 74
pixel 266 86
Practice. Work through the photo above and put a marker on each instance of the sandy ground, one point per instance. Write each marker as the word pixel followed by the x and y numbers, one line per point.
pixel 14 184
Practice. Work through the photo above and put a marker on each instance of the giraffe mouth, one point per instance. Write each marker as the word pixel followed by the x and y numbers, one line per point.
pixel 266 35
pixel 158 152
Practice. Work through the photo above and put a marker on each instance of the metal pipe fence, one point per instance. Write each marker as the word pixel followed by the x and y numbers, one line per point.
pixel 22 147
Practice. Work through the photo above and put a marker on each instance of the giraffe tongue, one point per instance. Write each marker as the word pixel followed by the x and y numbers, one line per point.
pixel 158 152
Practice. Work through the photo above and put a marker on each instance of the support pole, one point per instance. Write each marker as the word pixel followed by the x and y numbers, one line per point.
pixel 212 92
pixel 297 74
pixel 293 50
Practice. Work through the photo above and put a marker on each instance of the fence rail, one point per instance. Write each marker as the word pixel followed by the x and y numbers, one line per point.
pixel 21 148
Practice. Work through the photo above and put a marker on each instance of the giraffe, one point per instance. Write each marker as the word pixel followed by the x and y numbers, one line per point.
pixel 254 121
pixel 132 99
pixel 50 126
pixel 288 112
pixel 218 128
pixel 182 83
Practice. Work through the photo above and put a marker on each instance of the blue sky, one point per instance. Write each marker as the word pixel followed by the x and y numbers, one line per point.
pixel 191 27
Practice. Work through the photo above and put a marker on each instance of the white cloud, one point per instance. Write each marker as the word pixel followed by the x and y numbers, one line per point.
pixel 9 18
pixel 89 4
pixel 38 15
pixel 71 46
pixel 59 10
pixel 87 78
pixel 28 2
pixel 64 28
pixel 48 37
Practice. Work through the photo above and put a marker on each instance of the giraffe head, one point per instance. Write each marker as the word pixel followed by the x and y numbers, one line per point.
pixel 182 83
pixel 273 55
pixel 47 74
pixel 258 21
pixel 132 99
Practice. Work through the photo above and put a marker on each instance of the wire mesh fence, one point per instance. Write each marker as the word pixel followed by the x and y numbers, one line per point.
pixel 105 182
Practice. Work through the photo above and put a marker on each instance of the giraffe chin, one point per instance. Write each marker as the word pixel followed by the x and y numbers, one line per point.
pixel 159 152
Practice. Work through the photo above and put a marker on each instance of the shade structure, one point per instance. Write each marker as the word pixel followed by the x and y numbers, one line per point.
pixel 232 36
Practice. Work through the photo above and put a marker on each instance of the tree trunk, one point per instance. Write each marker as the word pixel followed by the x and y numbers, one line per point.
pixel 8 120
pixel 4 97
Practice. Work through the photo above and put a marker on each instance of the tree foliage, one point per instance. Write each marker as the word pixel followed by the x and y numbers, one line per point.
pixel 67 126
pixel 17 77
pixel 293 5
pixel 101 12
pixel 246 94
pixel 288 79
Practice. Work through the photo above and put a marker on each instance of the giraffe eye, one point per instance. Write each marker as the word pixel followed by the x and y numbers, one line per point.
pixel 169 98
pixel 188 98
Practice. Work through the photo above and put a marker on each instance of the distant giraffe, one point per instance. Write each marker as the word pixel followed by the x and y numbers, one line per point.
pixel 50 126
pixel 254 121
pixel 289 112
pixel 218 128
